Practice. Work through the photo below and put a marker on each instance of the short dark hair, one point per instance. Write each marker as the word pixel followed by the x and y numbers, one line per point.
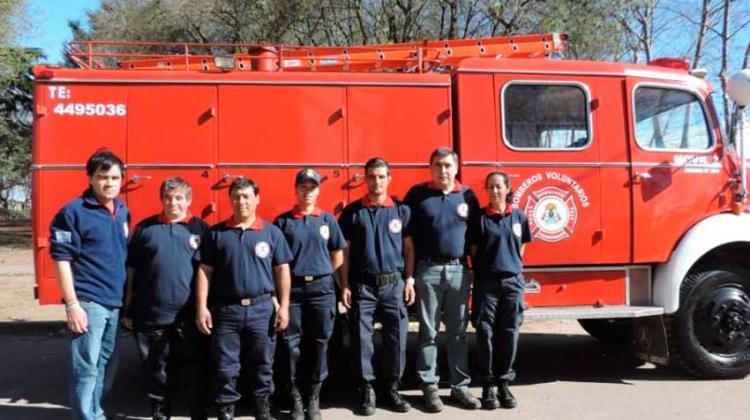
pixel 241 183
pixel 174 183
pixel 103 160
pixel 441 152
pixel 506 180
pixel 377 162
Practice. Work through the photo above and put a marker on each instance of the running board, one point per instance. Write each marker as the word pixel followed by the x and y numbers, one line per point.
pixel 591 312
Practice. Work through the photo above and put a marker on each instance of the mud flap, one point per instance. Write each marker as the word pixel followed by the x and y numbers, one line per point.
pixel 650 340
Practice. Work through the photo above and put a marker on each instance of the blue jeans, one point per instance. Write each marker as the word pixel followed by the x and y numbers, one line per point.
pixel 443 288
pixel 89 355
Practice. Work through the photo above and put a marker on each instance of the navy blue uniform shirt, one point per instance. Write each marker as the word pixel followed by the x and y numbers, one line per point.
pixel 311 237
pixel 95 241
pixel 499 239
pixel 164 256
pixel 243 259
pixel 440 222
pixel 376 233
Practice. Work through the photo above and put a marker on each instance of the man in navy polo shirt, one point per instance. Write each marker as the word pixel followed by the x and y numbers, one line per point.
pixel 317 245
pixel 244 265
pixel 441 210
pixel 379 255
pixel 162 257
pixel 88 242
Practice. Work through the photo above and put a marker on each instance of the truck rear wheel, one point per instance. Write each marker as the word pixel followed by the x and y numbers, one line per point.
pixel 709 336
pixel 609 330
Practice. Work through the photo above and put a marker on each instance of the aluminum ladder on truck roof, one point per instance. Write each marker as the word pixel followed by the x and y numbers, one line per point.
pixel 412 57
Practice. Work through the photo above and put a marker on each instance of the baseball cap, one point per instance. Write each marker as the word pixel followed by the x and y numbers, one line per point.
pixel 307 174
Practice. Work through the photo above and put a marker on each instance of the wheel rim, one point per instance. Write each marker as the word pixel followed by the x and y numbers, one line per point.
pixel 722 320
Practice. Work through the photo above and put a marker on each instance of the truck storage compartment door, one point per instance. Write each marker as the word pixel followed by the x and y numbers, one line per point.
pixel 269 132
pixel 171 132
pixel 402 124
pixel 71 121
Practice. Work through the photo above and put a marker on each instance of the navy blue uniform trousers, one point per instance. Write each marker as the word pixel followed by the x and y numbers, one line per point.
pixel 497 312
pixel 169 350
pixel 243 336
pixel 312 312
pixel 386 304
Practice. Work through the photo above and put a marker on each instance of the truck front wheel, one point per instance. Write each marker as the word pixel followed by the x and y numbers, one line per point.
pixel 709 336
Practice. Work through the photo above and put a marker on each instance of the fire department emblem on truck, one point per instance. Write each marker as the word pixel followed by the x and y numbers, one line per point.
pixel 552 214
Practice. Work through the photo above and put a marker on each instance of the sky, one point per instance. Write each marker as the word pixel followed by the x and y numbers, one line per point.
pixel 49 24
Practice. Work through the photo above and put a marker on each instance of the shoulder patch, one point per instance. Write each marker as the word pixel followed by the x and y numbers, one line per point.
pixel 195 241
pixel 63 236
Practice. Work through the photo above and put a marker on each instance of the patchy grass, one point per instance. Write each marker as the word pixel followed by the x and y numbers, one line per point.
pixel 15 234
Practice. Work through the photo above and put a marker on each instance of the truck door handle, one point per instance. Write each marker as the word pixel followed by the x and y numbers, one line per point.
pixel 357 177
pixel 138 178
pixel 641 176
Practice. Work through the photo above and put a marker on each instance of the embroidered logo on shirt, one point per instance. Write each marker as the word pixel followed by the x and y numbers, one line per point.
pixel 463 210
pixel 325 232
pixel 517 229
pixel 63 236
pixel 195 241
pixel 262 249
pixel 125 229
pixel 395 226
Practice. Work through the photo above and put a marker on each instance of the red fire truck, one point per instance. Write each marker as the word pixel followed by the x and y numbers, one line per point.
pixel 636 202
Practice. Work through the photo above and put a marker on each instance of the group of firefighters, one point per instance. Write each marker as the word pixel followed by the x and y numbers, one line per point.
pixel 251 294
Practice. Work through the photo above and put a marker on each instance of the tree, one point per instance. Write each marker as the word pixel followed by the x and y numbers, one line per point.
pixel 15 102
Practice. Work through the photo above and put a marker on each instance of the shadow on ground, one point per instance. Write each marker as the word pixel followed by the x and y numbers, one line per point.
pixel 33 384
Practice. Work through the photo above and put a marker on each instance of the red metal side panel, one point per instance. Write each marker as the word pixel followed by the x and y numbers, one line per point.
pixel 569 288
pixel 74 120
pixel 171 131
pixel 402 124
pixel 269 132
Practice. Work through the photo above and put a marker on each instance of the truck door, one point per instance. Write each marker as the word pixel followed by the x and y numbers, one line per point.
pixel 268 132
pixel 675 163
pixel 402 124
pixel 547 143
pixel 171 132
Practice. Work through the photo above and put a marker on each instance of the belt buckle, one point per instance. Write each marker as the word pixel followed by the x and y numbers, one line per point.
pixel 309 278
pixel 245 301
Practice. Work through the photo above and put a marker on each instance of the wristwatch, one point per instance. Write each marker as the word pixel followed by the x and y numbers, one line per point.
pixel 410 281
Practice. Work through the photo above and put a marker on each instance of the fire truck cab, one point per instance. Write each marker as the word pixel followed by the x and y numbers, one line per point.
pixel 637 206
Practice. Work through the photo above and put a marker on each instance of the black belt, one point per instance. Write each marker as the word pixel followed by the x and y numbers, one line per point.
pixel 382 279
pixel 307 279
pixel 445 261
pixel 246 301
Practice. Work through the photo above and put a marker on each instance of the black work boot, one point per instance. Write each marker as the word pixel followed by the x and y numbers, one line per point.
pixel 313 403
pixel 159 410
pixel 366 400
pixel 394 400
pixel 489 397
pixel 263 408
pixel 298 408
pixel 432 401
pixel 507 400
pixel 198 412
pixel 226 412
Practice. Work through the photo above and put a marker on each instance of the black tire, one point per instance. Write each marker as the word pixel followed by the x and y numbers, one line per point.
pixel 709 336
pixel 609 330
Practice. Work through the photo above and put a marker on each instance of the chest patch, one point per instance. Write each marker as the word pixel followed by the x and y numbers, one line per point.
pixel 195 241
pixel 395 226
pixel 463 210
pixel 262 249
pixel 517 229
pixel 325 232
